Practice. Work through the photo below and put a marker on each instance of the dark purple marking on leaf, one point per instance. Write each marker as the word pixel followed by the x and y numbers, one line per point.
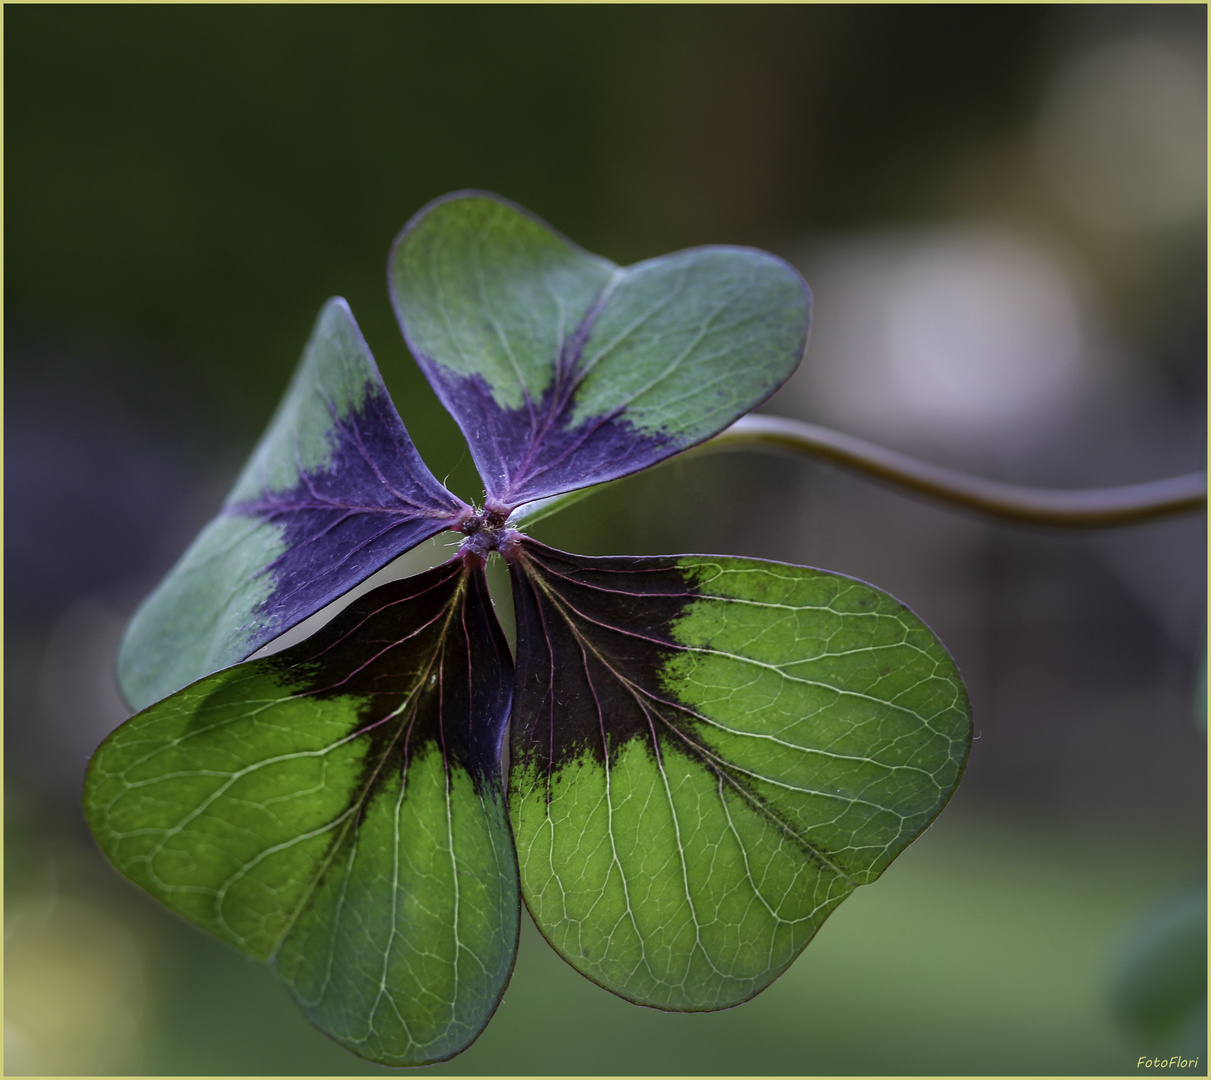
pixel 431 665
pixel 373 500
pixel 530 453
pixel 593 636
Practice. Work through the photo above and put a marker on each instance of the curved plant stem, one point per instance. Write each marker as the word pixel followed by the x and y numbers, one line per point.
pixel 1088 508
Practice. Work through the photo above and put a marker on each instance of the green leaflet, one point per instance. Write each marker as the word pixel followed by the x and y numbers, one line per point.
pixel 338 808
pixel 709 754
pixel 1160 985
pixel 333 491
pixel 564 370
pixel 202 615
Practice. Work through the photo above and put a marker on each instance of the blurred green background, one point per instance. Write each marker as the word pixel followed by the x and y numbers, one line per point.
pixel 1002 213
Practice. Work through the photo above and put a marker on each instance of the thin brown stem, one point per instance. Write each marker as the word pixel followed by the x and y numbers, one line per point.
pixel 1087 508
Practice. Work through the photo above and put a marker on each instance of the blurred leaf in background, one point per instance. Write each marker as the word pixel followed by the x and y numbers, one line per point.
pixel 1001 213
pixel 1160 987
pixel 1159 982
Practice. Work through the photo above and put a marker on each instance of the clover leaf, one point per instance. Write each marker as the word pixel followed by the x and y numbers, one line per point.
pixel 337 808
pixel 707 753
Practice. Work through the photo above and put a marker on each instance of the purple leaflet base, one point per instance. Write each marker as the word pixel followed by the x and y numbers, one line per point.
pixel 533 455
pixel 373 500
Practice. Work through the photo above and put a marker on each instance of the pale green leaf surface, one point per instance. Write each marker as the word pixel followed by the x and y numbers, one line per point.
pixel 486 289
pixel 687 343
pixel 407 1001
pixel 224 799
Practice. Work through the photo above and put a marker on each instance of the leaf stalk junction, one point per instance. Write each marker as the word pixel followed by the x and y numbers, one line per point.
pixel 487 531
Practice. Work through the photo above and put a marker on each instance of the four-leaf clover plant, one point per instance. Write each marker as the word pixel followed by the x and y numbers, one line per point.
pixel 706 754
